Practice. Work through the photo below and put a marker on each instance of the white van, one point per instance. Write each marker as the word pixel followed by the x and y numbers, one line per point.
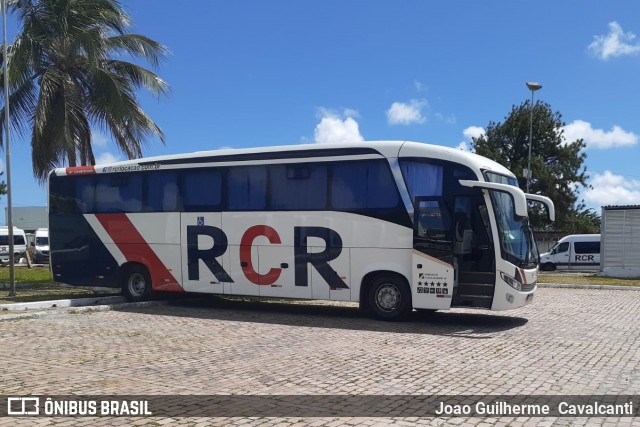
pixel 19 243
pixel 41 246
pixel 574 252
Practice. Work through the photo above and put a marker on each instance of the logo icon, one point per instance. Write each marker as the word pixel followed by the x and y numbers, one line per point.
pixel 23 406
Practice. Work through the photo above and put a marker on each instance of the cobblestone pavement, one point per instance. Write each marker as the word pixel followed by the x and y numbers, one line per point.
pixel 570 341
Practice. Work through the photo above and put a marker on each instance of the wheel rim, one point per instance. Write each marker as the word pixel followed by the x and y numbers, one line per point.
pixel 137 284
pixel 388 297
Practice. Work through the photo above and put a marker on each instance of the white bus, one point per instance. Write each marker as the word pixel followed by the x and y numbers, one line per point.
pixel 395 226
pixel 573 252
pixel 19 243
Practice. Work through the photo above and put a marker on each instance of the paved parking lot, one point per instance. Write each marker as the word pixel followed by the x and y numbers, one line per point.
pixel 569 342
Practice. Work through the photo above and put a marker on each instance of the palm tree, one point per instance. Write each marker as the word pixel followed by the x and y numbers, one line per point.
pixel 67 75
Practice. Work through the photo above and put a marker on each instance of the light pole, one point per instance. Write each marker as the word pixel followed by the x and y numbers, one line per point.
pixel 532 87
pixel 5 62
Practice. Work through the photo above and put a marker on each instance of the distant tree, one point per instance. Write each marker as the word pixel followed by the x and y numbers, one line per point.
pixel 557 165
pixel 3 186
pixel 67 74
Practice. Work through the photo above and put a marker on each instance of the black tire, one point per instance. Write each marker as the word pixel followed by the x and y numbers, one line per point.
pixel 548 266
pixel 390 298
pixel 136 284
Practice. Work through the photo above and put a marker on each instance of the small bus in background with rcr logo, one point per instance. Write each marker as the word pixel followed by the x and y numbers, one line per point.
pixel 573 252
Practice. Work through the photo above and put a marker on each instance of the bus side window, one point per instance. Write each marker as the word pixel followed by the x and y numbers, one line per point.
pixel 298 187
pixel 247 188
pixel 118 193
pixel 201 190
pixel 161 192
pixel 363 184
pixel 561 248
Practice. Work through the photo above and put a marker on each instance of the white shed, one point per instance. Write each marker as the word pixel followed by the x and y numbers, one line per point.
pixel 620 249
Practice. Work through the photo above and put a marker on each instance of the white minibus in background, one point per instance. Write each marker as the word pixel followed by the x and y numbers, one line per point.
pixel 393 225
pixel 574 252
pixel 19 243
pixel 41 246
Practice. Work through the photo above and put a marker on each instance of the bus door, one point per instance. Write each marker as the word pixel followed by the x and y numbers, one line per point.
pixel 433 271
pixel 474 252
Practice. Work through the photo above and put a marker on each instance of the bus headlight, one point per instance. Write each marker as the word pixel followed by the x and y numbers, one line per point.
pixel 511 281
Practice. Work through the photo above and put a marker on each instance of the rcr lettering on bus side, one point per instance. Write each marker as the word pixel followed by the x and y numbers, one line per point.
pixel 302 257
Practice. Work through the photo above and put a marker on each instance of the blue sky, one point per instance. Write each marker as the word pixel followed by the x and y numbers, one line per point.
pixel 247 73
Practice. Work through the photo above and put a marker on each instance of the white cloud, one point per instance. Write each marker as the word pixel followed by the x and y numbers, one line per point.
pixel 106 158
pixel 401 113
pixel 98 139
pixel 611 189
pixel 335 127
pixel 598 138
pixel 473 132
pixel 470 132
pixel 616 43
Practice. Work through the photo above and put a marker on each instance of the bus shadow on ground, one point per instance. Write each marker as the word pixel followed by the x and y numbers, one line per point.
pixel 447 323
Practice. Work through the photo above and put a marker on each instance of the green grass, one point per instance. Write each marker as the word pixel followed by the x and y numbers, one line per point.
pixel 37 284
pixel 27 275
pixel 585 279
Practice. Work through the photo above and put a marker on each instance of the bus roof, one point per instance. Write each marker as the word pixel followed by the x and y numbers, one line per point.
pixel 365 149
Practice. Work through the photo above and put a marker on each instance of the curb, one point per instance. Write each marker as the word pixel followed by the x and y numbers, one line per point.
pixel 63 303
pixel 603 287
pixel 119 302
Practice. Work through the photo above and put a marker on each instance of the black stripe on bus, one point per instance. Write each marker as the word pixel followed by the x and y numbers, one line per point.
pixel 276 155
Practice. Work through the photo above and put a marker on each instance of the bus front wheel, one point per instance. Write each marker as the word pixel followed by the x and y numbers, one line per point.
pixel 390 298
pixel 136 284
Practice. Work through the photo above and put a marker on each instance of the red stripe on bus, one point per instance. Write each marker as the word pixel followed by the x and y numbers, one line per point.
pixel 135 249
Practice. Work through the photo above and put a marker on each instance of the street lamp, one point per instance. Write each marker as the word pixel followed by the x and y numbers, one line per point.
pixel 532 87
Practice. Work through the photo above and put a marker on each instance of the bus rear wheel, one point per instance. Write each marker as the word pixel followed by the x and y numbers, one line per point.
pixel 390 298
pixel 136 284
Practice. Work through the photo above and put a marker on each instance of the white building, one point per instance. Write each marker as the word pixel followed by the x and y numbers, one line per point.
pixel 620 249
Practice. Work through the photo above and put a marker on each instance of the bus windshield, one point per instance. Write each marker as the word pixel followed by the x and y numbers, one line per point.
pixel 516 237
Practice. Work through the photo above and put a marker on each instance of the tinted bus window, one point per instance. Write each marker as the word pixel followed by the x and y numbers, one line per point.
pixel 118 193
pixel 71 194
pixel 161 191
pixel 247 188
pixel 366 184
pixel 587 247
pixel 17 240
pixel 298 187
pixel 85 194
pixel 201 190
pixel 422 179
